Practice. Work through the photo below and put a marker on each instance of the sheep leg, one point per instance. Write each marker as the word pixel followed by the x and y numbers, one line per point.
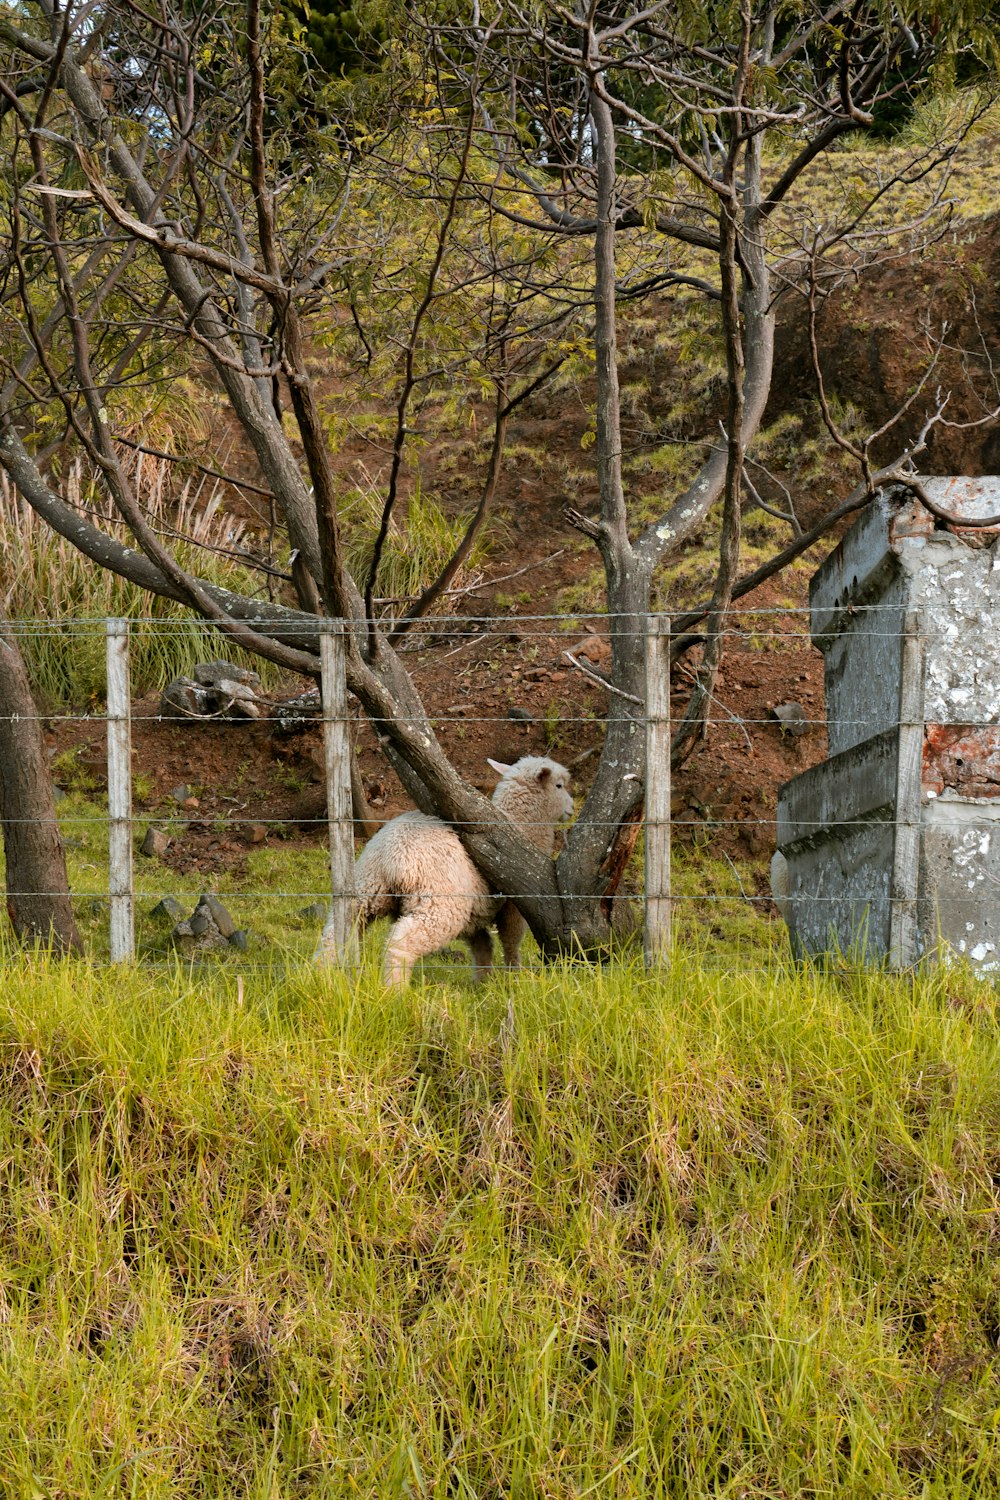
pixel 511 926
pixel 428 929
pixel 482 954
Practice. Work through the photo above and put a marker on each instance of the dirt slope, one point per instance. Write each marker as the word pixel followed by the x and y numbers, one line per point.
pixel 879 331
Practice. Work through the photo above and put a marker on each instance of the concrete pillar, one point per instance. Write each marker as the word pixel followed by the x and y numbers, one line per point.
pixel 893 843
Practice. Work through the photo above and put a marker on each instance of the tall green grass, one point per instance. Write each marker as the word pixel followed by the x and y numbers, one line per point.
pixel 62 599
pixel 418 545
pixel 700 1234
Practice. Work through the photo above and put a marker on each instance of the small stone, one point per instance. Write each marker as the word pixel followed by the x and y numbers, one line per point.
pixel 238 939
pixel 594 648
pixel 316 912
pixel 184 699
pixel 214 908
pixel 792 717
pixel 296 714
pixel 170 908
pixel 244 708
pixel 519 715
pixel 199 923
pixel 216 673
pixel 229 688
pixel 58 794
pixel 190 804
pixel 257 833
pixel 155 844
pixel 181 793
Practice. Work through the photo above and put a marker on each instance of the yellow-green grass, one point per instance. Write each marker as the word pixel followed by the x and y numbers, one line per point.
pixel 60 600
pixel 718 906
pixel 704 1233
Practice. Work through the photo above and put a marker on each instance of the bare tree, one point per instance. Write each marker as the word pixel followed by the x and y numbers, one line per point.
pixel 177 222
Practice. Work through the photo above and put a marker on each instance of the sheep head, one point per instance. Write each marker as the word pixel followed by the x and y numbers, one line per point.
pixel 534 790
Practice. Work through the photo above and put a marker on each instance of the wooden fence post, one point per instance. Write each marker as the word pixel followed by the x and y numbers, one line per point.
pixel 339 936
pixel 120 793
pixel 657 844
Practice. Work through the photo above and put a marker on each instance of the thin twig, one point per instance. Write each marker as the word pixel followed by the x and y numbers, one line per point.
pixel 601 680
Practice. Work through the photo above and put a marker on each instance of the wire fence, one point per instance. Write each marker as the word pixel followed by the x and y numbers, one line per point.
pixel 123 827
pixel 552 697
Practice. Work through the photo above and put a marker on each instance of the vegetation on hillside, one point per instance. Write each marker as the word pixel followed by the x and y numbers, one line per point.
pixel 714 1233
pixel 174 202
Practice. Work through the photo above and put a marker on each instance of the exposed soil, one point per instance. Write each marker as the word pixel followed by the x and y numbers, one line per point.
pixel 237 784
pixel 251 784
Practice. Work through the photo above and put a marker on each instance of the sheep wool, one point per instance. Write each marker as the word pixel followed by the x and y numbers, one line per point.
pixel 416 871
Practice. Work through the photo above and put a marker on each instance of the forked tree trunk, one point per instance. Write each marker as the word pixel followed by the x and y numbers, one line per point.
pixel 38 902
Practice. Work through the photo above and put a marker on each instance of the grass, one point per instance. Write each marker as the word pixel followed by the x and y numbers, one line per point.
pixel 716 899
pixel 60 600
pixel 684 1235
pixel 417 546
pixel 266 898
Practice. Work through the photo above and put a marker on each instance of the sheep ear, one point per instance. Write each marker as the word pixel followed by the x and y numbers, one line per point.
pixel 544 775
pixel 498 766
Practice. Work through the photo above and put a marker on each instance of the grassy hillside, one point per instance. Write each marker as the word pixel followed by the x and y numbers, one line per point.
pixel 712 1233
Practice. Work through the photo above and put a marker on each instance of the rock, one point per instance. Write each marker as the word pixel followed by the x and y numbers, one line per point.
pixel 593 648
pixel 239 939
pixel 519 715
pixel 209 926
pixel 236 699
pixel 257 833
pixel 235 690
pixel 181 793
pixel 792 717
pixel 298 713
pixel 316 912
pixel 168 907
pixel 218 690
pixel 781 888
pixel 155 844
pixel 217 913
pixel 216 673
pixel 184 699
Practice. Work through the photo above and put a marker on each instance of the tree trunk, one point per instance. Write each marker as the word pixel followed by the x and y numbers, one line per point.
pixel 38 901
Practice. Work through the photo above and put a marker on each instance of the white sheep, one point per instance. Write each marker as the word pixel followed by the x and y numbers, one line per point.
pixel 416 871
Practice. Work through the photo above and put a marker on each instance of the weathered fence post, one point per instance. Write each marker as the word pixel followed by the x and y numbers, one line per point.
pixel 120 793
pixel 657 845
pixel 338 938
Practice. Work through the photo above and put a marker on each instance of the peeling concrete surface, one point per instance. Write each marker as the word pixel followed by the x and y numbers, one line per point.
pixel 893 843
pixel 961 758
